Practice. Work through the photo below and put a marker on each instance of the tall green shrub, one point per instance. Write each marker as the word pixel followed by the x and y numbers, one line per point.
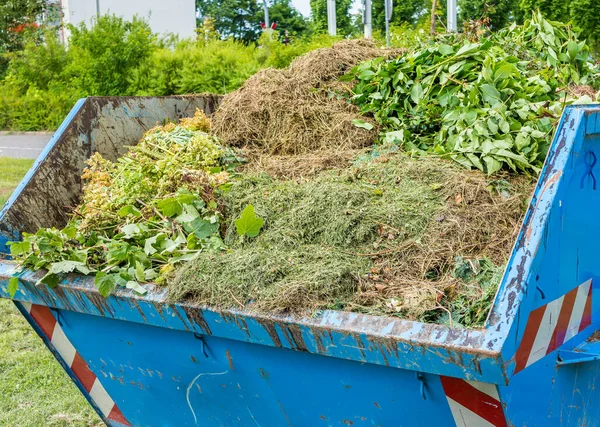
pixel 586 15
pixel 102 58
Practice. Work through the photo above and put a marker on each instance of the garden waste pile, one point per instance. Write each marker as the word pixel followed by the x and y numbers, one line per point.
pixel 410 210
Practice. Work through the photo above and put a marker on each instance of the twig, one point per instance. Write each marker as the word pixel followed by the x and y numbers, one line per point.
pixel 389 226
pixel 236 300
pixel 447 311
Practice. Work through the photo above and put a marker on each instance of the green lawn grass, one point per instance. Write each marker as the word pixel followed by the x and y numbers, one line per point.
pixel 11 173
pixel 34 389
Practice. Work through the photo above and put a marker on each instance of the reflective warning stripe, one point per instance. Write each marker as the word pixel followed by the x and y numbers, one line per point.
pixel 473 404
pixel 46 321
pixel 551 325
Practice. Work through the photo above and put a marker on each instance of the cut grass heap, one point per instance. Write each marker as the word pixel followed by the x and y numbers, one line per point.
pixel 418 238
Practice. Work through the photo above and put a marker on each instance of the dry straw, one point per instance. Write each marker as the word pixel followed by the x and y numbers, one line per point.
pixel 299 109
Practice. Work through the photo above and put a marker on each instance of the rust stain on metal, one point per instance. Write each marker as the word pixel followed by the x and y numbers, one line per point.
pixel 383 350
pixel 269 326
pixel 319 341
pixel 184 321
pixel 264 374
pixel 295 338
pixel 136 384
pixel 159 308
pixel 476 364
pixel 139 309
pixel 360 345
pixel 195 314
pixel 238 320
pixel 229 359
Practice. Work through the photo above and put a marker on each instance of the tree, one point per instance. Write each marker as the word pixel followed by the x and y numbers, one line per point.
pixel 239 19
pixel 499 12
pixel 287 18
pixel 405 11
pixel 586 15
pixel 342 16
pixel 16 16
pixel 554 10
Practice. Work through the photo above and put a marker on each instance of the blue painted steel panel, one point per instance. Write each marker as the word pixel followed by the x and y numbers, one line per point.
pixel 237 384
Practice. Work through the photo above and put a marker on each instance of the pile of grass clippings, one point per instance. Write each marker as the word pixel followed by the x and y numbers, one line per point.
pixel 416 238
pixel 301 108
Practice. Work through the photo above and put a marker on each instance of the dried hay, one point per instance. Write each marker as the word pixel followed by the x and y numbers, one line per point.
pixel 301 166
pixel 299 109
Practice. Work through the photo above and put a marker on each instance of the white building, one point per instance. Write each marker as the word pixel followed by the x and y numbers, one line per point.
pixel 164 16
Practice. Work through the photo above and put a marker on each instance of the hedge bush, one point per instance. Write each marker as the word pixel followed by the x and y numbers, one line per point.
pixel 117 57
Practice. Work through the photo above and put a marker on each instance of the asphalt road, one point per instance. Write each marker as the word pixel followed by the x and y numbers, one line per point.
pixel 23 145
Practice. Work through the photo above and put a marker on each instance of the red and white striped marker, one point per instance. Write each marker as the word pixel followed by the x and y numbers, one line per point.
pixel 473 404
pixel 46 321
pixel 553 324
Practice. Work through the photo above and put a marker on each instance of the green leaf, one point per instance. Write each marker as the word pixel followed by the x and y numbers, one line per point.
pixel 68 267
pixel 105 283
pixel 202 228
pixel 362 124
pixel 129 210
pixel 13 285
pixel 573 49
pixel 19 248
pixel 468 48
pixel 416 93
pixel 50 280
pixel 249 224
pixel 504 71
pixel 189 214
pixel 169 206
pixel 149 244
pixel 150 274
pixel 491 164
pixel 139 272
pixel 137 288
pixel 70 232
pixel 454 68
pixel 366 74
pixel 490 93
pixel 130 230
pixel 445 49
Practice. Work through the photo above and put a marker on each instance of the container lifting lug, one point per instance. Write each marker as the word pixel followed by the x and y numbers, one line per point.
pixel 590 161
pixel 202 342
pixel 542 294
pixel 421 379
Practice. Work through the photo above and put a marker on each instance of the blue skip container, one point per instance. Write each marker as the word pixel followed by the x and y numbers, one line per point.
pixel 142 362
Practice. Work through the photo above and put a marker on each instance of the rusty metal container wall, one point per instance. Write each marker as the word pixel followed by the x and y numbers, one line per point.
pixel 143 361
pixel 96 124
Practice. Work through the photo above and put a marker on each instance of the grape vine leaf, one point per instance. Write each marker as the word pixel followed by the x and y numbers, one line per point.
pixel 105 283
pixel 249 224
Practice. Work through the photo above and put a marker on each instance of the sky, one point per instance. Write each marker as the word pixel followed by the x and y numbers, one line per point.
pixel 304 6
